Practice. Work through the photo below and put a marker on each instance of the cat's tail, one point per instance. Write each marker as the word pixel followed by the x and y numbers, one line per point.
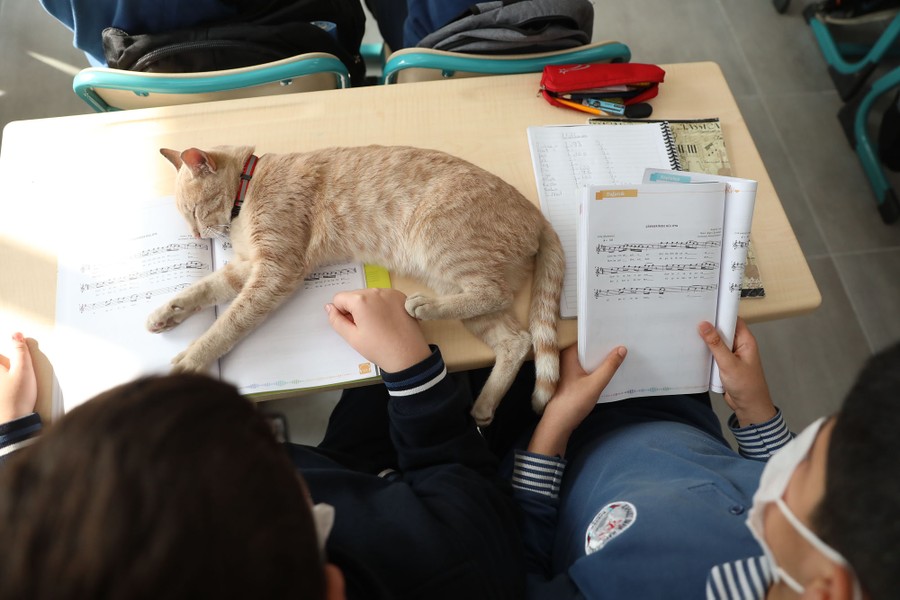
pixel 549 268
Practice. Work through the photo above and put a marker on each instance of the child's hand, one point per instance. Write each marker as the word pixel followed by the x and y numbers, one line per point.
pixel 375 322
pixel 746 391
pixel 18 383
pixel 576 396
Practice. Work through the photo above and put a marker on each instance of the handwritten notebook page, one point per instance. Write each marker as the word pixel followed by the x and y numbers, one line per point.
pixel 650 259
pixel 120 264
pixel 567 158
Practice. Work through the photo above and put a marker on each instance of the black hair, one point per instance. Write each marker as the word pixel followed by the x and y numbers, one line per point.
pixel 166 487
pixel 858 515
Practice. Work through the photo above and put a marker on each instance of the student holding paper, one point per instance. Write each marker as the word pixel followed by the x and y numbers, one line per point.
pixel 651 502
pixel 174 487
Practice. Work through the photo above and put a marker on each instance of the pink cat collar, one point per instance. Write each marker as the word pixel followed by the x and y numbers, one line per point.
pixel 246 175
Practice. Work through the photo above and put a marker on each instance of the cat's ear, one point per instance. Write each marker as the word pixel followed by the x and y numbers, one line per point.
pixel 174 156
pixel 198 161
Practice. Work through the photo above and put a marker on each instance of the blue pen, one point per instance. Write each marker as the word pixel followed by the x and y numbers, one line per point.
pixel 610 107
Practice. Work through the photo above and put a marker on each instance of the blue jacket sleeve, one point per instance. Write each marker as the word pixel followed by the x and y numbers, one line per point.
pixel 760 441
pixel 447 464
pixel 427 16
pixel 536 479
pixel 430 420
pixel 18 433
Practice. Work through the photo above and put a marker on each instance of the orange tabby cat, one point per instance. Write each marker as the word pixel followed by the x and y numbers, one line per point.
pixel 467 234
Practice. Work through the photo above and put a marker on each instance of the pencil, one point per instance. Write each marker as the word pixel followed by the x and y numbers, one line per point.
pixel 583 108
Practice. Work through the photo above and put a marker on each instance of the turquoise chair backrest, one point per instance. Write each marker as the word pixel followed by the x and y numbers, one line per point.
pixel 419 64
pixel 114 89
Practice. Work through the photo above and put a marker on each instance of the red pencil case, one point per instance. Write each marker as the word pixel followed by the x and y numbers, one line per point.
pixel 624 83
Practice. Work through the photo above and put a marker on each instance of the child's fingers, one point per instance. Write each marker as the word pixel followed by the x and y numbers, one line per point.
pixel 340 321
pixel 602 375
pixel 20 359
pixel 721 353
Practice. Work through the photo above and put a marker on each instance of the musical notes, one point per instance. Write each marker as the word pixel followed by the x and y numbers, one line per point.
pixel 130 298
pixel 686 245
pixel 659 291
pixel 330 276
pixel 174 248
pixel 650 267
pixel 191 264
pixel 333 274
pixel 740 244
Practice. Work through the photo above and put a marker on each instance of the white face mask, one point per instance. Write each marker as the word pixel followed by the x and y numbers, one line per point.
pixel 772 486
pixel 323 517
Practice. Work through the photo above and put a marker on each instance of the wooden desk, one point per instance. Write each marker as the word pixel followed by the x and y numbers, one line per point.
pixel 115 155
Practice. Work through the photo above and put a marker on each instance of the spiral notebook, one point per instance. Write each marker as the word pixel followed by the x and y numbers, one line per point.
pixel 568 158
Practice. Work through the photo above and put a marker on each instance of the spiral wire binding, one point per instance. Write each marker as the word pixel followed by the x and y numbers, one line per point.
pixel 671 146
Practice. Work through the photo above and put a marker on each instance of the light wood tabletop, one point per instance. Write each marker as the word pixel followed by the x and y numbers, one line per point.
pixel 115 156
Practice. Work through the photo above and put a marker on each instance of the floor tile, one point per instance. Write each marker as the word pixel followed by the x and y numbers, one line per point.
pixel 872 281
pixel 811 361
pixel 32 88
pixel 838 192
pixel 659 31
pixel 307 416
pixel 786 57
pixel 789 190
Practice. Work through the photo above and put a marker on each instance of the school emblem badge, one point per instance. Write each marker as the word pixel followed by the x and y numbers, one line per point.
pixel 613 519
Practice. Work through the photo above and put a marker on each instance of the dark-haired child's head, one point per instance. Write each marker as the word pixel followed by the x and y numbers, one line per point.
pixel 166 487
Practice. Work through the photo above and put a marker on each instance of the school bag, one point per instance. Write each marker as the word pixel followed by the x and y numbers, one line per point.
pixel 275 31
pixel 516 27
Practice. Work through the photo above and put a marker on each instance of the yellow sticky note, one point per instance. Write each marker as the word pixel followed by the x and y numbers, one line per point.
pixel 377 277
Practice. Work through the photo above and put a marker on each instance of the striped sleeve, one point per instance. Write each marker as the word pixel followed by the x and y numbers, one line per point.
pixel 418 378
pixel 17 434
pixel 745 579
pixel 538 473
pixel 760 441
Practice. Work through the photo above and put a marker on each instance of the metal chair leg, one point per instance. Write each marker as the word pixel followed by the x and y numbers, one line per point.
pixel 849 77
pixel 857 113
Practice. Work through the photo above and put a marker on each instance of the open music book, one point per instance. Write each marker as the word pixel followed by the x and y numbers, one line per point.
pixel 122 264
pixel 654 260
pixel 701 149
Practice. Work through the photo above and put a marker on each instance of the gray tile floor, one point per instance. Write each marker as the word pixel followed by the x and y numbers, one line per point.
pixel 777 74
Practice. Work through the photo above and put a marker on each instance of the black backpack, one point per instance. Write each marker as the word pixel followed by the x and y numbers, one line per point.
pixel 279 30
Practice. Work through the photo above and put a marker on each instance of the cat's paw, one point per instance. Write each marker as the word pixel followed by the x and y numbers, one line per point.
pixel 483 413
pixel 421 306
pixel 167 317
pixel 189 362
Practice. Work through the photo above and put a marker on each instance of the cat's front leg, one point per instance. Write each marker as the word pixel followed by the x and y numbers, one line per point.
pixel 266 287
pixel 216 288
pixel 193 359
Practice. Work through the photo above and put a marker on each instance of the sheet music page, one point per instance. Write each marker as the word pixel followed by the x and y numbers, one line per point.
pixel 651 261
pixel 295 347
pixel 740 198
pixel 121 263
pixel 567 158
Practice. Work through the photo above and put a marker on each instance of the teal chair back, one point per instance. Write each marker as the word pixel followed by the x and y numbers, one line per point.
pixel 423 64
pixel 114 89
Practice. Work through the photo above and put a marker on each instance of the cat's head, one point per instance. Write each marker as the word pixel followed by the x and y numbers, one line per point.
pixel 205 186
